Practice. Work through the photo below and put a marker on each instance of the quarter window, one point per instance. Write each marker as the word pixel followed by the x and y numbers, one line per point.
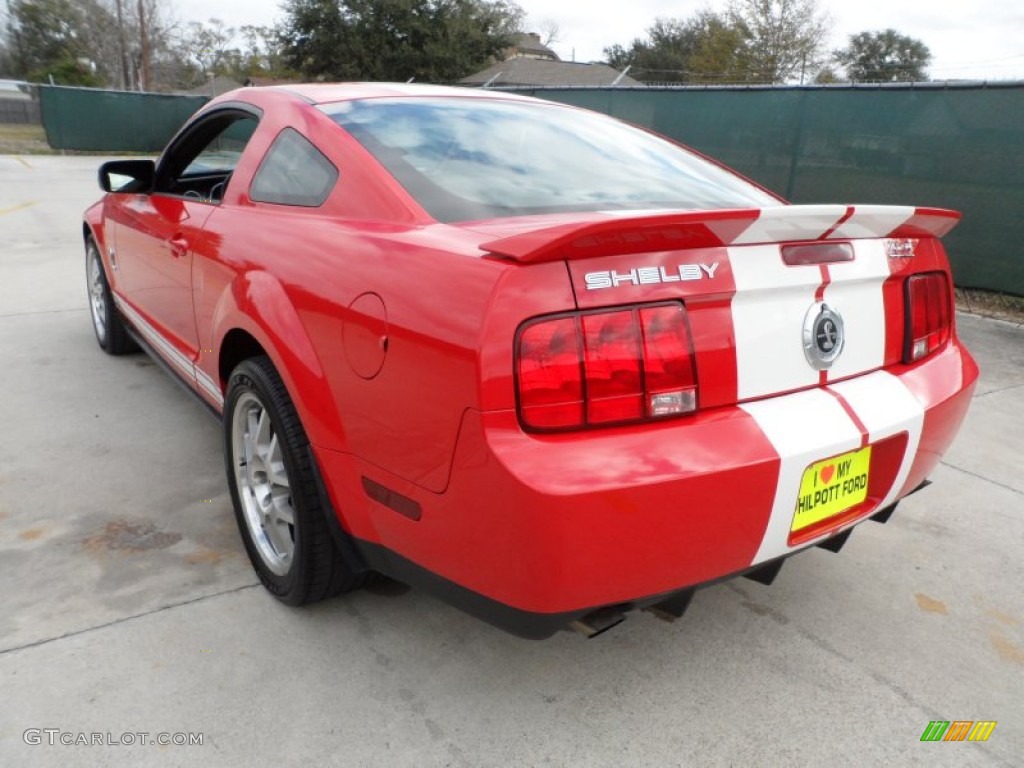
pixel 294 172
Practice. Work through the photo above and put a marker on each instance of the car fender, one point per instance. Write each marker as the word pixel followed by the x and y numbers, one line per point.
pixel 99 224
pixel 257 303
pixel 92 226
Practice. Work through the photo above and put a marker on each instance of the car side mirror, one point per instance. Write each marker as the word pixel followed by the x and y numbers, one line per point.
pixel 128 176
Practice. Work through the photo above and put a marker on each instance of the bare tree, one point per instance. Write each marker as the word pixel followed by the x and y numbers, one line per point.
pixel 261 53
pixel 122 43
pixel 132 57
pixel 151 32
pixel 208 46
pixel 145 53
pixel 550 32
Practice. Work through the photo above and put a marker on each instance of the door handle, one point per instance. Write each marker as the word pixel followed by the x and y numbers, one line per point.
pixel 179 246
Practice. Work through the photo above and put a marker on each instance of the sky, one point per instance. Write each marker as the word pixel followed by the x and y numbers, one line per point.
pixel 977 40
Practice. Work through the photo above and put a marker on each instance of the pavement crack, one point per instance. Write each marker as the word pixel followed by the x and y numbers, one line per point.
pixel 891 685
pixel 122 620
pixel 997 391
pixel 982 477
pixel 42 312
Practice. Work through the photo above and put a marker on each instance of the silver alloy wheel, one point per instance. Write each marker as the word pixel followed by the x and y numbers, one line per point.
pixel 263 485
pixel 97 293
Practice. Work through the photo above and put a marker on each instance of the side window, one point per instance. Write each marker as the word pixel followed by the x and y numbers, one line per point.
pixel 294 172
pixel 222 154
pixel 201 162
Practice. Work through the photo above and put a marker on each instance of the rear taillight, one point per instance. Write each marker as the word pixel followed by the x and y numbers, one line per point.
pixel 929 315
pixel 605 367
pixel 550 379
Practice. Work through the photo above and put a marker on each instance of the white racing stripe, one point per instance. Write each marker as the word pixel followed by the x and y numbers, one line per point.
pixel 886 407
pixel 855 292
pixel 813 425
pixel 872 221
pixel 803 428
pixel 791 222
pixel 770 305
pixel 768 312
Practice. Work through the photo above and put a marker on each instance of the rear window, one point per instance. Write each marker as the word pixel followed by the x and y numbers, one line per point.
pixel 465 159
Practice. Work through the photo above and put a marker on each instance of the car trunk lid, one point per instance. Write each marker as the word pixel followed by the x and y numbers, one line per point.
pixel 759 285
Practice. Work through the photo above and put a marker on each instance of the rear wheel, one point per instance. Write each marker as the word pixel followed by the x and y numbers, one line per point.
pixel 110 332
pixel 279 512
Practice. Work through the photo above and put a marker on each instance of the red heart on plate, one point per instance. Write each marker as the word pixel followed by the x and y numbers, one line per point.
pixel 827 472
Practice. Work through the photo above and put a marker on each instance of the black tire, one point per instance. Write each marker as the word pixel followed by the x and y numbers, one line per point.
pixel 111 334
pixel 297 562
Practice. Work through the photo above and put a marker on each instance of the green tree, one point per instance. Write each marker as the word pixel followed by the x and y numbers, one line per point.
pixel 49 42
pixel 705 47
pixel 429 40
pixel 663 56
pixel 884 57
pixel 720 53
pixel 828 76
pixel 784 38
pixel 124 43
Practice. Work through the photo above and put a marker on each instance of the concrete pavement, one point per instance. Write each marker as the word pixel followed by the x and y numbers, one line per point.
pixel 129 605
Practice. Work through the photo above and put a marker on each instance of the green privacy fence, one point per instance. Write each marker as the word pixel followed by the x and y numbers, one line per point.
pixel 88 119
pixel 936 145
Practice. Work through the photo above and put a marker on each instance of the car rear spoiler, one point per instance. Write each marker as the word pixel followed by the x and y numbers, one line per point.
pixel 628 232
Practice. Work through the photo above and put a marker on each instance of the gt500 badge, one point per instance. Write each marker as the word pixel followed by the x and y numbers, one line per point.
pixel 649 275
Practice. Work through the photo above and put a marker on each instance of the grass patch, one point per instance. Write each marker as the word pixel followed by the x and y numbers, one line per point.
pixel 21 139
pixel 1002 306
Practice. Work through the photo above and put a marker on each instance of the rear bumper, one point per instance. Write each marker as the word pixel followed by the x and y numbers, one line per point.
pixel 534 531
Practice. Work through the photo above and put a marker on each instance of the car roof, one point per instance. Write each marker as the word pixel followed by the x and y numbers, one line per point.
pixel 325 93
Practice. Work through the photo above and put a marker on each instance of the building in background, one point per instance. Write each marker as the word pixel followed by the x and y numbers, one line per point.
pixel 531 63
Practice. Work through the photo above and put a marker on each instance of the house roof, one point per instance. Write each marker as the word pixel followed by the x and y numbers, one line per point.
pixel 528 43
pixel 540 72
pixel 14 90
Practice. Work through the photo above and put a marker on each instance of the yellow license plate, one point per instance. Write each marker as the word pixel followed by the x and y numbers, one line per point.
pixel 831 487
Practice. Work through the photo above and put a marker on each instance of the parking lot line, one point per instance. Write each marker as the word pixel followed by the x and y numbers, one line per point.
pixel 18 207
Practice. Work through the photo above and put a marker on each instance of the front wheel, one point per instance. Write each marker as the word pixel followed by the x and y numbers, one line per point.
pixel 111 334
pixel 279 513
